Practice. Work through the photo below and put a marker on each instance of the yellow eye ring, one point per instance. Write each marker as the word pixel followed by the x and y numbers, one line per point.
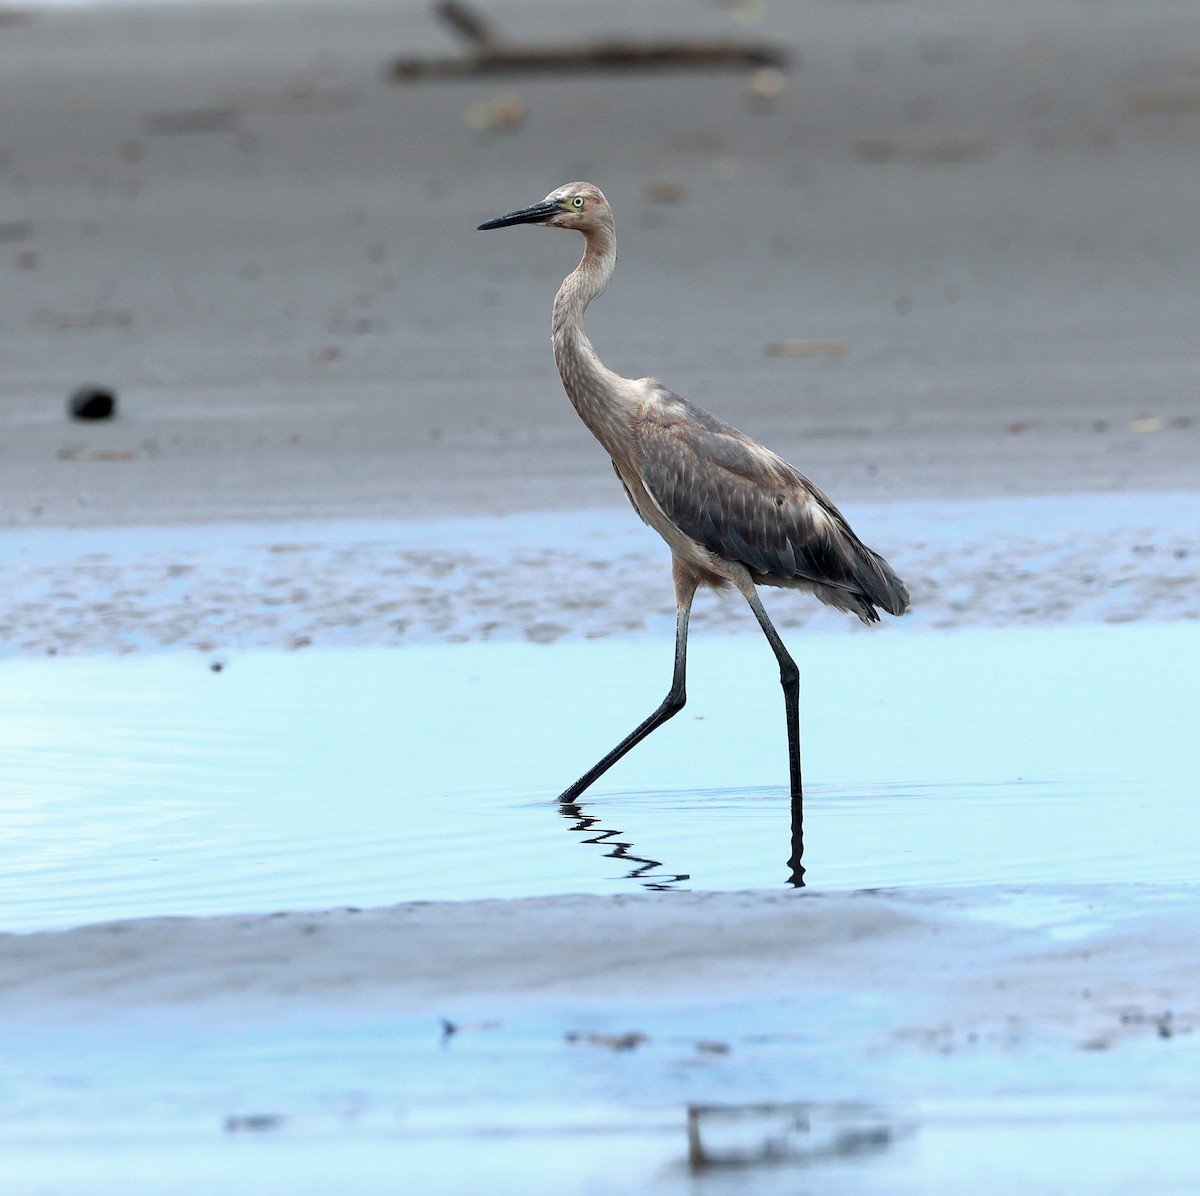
pixel 577 202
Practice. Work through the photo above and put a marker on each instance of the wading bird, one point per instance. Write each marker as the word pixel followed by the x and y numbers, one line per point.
pixel 731 511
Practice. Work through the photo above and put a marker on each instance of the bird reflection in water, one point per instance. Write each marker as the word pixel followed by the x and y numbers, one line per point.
pixel 646 871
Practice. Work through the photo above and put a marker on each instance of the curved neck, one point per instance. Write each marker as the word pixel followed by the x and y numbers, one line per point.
pixel 599 395
pixel 586 281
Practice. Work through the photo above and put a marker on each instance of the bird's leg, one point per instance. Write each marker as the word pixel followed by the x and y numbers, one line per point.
pixel 672 704
pixel 789 677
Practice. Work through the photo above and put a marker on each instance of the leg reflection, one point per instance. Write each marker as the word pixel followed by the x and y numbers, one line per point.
pixel 644 871
pixel 795 862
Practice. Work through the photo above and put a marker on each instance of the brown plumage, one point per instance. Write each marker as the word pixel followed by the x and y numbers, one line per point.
pixel 732 511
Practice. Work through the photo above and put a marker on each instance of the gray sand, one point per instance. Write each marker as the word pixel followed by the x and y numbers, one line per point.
pixel 230 216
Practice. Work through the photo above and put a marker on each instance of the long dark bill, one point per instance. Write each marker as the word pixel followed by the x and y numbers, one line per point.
pixel 537 214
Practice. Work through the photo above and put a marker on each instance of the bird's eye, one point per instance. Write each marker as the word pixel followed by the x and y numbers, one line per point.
pixel 577 202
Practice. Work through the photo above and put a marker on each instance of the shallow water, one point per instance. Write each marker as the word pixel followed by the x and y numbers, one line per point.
pixel 154 785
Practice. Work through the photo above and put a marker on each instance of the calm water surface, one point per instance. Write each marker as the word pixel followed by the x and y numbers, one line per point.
pixel 153 785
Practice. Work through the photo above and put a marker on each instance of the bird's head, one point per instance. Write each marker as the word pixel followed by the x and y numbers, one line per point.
pixel 577 205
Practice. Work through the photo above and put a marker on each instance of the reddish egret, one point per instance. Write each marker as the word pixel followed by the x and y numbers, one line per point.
pixel 731 511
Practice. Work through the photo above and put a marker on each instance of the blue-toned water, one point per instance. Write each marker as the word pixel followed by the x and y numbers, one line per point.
pixel 153 785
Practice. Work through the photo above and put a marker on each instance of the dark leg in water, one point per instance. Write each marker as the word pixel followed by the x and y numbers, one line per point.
pixel 671 705
pixel 789 678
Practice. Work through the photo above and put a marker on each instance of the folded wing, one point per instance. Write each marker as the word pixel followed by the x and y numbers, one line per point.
pixel 746 504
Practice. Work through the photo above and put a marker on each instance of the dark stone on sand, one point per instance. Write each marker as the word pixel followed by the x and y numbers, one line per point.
pixel 92 402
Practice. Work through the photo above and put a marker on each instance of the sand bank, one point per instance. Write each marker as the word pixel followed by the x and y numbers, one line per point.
pixel 1051 560
pixel 895 1036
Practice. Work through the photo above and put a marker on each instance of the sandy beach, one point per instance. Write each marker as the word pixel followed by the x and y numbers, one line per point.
pixel 946 263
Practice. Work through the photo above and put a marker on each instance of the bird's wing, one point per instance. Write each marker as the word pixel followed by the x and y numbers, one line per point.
pixel 745 503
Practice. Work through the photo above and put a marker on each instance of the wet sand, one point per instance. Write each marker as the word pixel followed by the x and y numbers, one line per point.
pixel 554 576
pixel 332 395
pixel 985 1036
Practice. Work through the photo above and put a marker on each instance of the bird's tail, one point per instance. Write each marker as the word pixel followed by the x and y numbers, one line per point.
pixel 881 587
